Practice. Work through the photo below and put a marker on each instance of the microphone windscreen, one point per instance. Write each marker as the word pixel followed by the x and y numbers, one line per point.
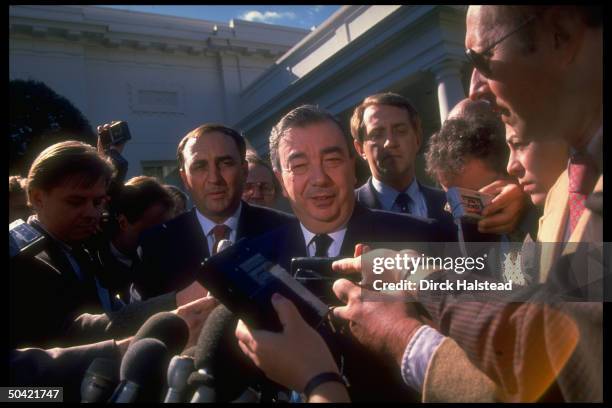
pixel 100 380
pixel 217 352
pixel 145 363
pixel 166 327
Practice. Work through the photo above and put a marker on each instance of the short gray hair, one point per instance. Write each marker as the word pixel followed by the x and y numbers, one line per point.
pixel 301 117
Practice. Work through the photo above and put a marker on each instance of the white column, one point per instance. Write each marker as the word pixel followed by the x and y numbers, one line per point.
pixel 450 88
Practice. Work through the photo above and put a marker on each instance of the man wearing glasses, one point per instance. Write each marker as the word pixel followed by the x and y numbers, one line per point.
pixel 260 187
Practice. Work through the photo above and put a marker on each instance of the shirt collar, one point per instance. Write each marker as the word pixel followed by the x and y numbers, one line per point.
pixel 387 195
pixel 337 236
pixel 208 224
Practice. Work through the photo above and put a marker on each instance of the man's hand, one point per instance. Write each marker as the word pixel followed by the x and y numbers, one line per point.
pixel 363 263
pixel 291 357
pixel 195 314
pixel 384 326
pixel 190 293
pixel 506 209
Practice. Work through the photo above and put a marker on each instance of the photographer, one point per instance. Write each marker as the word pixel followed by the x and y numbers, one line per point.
pixel 141 204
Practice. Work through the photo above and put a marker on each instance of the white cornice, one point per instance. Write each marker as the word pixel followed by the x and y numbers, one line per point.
pixel 141 31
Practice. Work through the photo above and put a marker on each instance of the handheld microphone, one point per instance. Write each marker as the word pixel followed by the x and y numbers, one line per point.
pixel 166 327
pixel 220 363
pixel 223 244
pixel 100 380
pixel 205 391
pixel 142 372
pixel 178 373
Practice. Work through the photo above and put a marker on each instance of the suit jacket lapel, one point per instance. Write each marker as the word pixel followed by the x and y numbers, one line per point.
pixel 367 195
pixel 354 231
pixel 200 242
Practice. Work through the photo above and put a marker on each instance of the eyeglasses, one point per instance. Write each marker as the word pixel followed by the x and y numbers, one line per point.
pixel 265 188
pixel 478 59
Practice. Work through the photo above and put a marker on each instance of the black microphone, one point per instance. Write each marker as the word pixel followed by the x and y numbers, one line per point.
pixel 178 372
pixel 100 380
pixel 222 368
pixel 142 372
pixel 166 327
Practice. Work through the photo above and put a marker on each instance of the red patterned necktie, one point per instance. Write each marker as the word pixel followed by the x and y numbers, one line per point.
pixel 219 232
pixel 582 177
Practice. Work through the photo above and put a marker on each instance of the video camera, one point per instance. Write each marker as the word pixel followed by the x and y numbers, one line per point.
pixel 117 133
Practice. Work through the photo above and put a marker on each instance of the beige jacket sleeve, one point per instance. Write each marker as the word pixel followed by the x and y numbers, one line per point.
pixel 451 377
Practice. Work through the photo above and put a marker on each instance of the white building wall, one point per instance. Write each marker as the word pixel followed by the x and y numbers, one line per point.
pixel 164 75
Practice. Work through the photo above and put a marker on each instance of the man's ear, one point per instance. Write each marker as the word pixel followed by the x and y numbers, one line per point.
pixel 359 149
pixel 279 178
pixel 36 198
pixel 184 178
pixel 567 30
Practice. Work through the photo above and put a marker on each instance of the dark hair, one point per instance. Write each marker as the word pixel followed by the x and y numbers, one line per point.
pixel 68 159
pixel 387 98
pixel 463 139
pixel 301 117
pixel 210 128
pixel 17 184
pixel 138 195
pixel 177 194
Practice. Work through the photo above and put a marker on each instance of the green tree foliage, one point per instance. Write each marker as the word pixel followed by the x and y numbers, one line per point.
pixel 39 117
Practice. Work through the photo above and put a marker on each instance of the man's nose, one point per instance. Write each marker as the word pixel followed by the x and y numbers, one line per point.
pixel 318 175
pixel 514 167
pixel 479 87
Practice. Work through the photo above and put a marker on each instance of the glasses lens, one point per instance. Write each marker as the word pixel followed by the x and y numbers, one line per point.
pixel 477 61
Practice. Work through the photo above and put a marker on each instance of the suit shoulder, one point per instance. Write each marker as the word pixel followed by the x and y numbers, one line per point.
pixel 178 224
pixel 389 217
pixel 433 192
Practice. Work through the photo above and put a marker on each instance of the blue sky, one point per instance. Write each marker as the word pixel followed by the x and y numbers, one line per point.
pixel 292 16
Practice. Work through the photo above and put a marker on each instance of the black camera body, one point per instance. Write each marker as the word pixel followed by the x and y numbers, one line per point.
pixel 117 133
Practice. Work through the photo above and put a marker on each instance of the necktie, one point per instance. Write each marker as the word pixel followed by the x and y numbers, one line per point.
pixel 322 243
pixel 403 201
pixel 220 232
pixel 582 177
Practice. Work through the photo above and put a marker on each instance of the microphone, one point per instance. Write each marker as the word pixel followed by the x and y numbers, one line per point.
pixel 100 380
pixel 221 365
pixel 223 244
pixel 142 372
pixel 166 327
pixel 178 372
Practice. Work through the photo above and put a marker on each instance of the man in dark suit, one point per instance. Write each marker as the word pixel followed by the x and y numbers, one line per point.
pixel 313 160
pixel 387 134
pixel 213 168
pixel 67 185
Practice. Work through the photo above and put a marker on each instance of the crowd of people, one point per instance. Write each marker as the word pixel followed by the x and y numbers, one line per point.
pixel 112 254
